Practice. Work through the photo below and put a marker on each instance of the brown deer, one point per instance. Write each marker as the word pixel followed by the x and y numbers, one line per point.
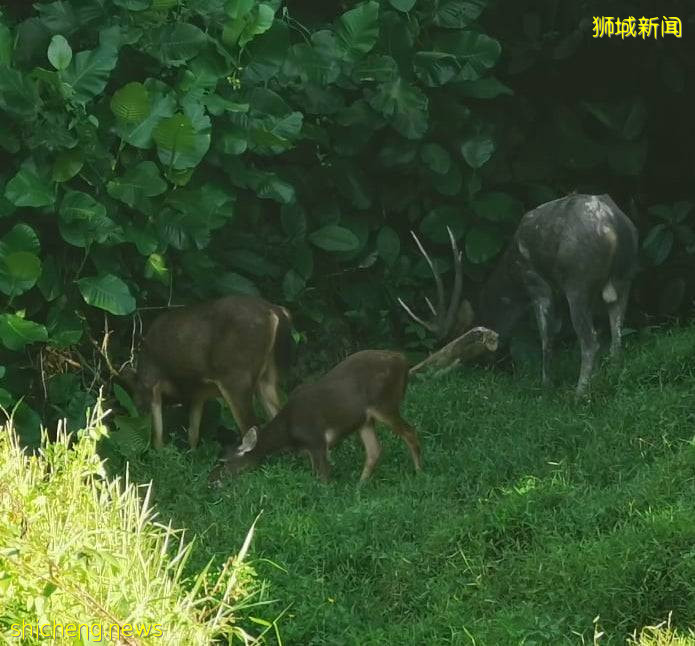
pixel 367 387
pixel 581 246
pixel 233 346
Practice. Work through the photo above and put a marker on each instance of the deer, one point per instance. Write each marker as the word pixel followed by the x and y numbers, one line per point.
pixel 365 388
pixel 235 346
pixel 582 247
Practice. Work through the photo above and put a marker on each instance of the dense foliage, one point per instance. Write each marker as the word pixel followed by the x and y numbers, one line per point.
pixel 153 150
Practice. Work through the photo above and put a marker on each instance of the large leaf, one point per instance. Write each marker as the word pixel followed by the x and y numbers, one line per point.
pixel 66 165
pixel 658 244
pixel 107 292
pixel 89 72
pixel 261 20
pixel 435 68
pixel 455 14
pixel 358 29
pixel 16 332
pixel 131 103
pixel 404 104
pixel 140 182
pixel 18 93
pixel 175 43
pixel 19 272
pixel 27 188
pixel 5 45
pixel 476 52
pixel 483 243
pixel 436 158
pixel 402 5
pixel 83 220
pixel 178 144
pixel 162 102
pixel 477 150
pixel 334 238
pixel 59 52
pixel 484 88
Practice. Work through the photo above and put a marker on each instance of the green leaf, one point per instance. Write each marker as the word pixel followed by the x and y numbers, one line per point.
pixel 89 72
pixel 64 326
pixel 26 188
pixel 140 182
pixel 476 52
pixel 83 220
pixel 436 158
pixel 483 243
pixel 435 68
pixel 178 144
pixel 162 103
pixel 403 5
pixel 270 186
pixel 497 207
pixel 405 106
pixel 456 14
pixel 21 237
pixel 334 238
pixel 59 52
pixel 19 271
pixel 131 103
pixel 388 245
pixel 478 150
pixel 658 244
pixel 292 285
pixel 261 20
pixel 358 29
pixel 17 332
pixel 107 292
pixel 67 165
pixel 156 268
pixel 175 43
pixel 233 283
pixel 375 67
pixel 18 94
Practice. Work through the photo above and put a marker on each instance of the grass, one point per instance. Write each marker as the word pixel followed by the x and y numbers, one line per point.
pixel 84 561
pixel 537 520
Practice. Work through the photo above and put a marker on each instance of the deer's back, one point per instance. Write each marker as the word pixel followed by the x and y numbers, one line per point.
pixel 340 399
pixel 210 339
pixel 578 237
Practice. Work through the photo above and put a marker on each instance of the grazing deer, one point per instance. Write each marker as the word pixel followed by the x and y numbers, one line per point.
pixel 367 387
pixel 233 346
pixel 582 246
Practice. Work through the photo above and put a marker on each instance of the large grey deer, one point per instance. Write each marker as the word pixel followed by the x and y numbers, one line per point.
pixel 582 247
pixel 233 346
pixel 367 387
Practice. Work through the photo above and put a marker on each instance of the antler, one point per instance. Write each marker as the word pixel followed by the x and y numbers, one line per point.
pixel 443 317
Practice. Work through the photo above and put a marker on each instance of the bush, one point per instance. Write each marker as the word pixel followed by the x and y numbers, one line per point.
pixel 78 548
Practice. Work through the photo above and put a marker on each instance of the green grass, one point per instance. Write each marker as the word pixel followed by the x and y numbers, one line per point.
pixel 83 560
pixel 537 520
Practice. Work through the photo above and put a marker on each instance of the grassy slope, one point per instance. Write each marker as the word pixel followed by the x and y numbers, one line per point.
pixel 534 514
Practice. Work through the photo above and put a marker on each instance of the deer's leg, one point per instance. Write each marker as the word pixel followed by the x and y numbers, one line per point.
pixel 582 320
pixel 195 414
pixel 319 462
pixel 400 427
pixel 268 390
pixel 372 449
pixel 157 424
pixel 542 296
pixel 237 391
pixel 616 313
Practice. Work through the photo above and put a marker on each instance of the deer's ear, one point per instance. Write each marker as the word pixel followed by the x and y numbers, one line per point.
pixel 249 441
